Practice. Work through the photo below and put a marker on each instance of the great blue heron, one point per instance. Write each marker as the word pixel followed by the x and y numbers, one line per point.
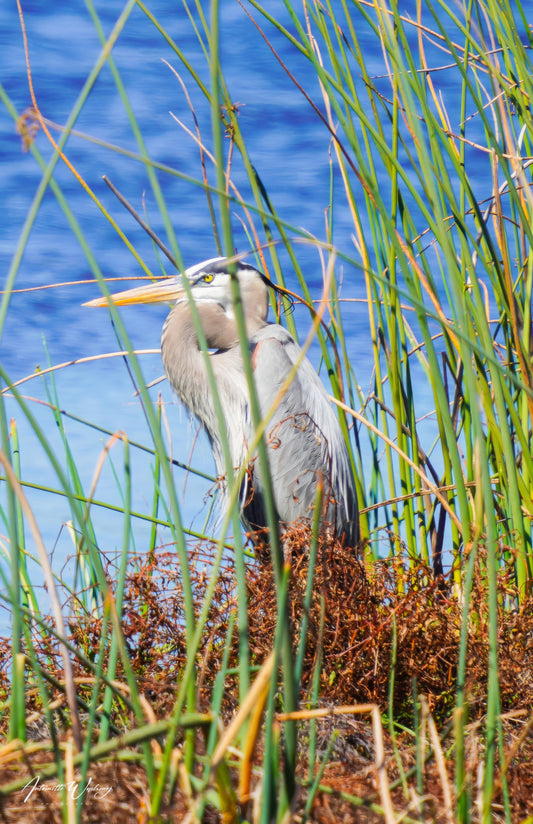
pixel 304 438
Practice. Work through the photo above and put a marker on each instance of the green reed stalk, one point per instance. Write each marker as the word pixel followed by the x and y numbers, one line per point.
pixel 275 546
pixel 119 590
pixel 17 727
pixel 240 569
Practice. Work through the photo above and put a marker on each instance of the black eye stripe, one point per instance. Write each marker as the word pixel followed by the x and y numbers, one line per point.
pixel 221 268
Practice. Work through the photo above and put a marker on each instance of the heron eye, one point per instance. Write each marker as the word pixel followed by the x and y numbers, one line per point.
pixel 208 278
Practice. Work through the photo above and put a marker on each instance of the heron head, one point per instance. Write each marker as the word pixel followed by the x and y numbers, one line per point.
pixel 209 282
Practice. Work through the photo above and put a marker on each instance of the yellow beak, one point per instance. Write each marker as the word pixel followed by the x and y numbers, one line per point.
pixel 168 290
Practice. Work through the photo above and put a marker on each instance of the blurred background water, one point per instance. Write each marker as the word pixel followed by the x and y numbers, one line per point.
pixel 289 147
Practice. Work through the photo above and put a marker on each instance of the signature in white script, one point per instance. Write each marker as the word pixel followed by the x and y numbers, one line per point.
pixel 73 788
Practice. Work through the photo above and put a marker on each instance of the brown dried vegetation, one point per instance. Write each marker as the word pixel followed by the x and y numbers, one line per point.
pixel 360 620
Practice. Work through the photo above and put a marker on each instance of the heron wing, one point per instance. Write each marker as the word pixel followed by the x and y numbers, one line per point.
pixel 303 435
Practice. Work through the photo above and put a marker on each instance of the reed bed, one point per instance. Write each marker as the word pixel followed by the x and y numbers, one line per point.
pixel 392 681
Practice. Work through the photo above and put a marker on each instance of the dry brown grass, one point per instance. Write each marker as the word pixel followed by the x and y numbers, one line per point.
pixel 356 619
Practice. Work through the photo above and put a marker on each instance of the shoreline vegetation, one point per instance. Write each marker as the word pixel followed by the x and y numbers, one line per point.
pixel 189 681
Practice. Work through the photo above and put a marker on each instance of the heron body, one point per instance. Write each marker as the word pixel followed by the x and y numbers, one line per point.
pixel 304 440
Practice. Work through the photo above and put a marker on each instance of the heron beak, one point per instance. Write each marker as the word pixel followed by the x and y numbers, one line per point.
pixel 168 290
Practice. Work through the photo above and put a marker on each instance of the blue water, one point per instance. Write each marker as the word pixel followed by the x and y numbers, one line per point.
pixel 290 149
pixel 287 146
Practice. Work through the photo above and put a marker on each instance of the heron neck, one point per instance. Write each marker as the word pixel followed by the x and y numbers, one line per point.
pixel 187 371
